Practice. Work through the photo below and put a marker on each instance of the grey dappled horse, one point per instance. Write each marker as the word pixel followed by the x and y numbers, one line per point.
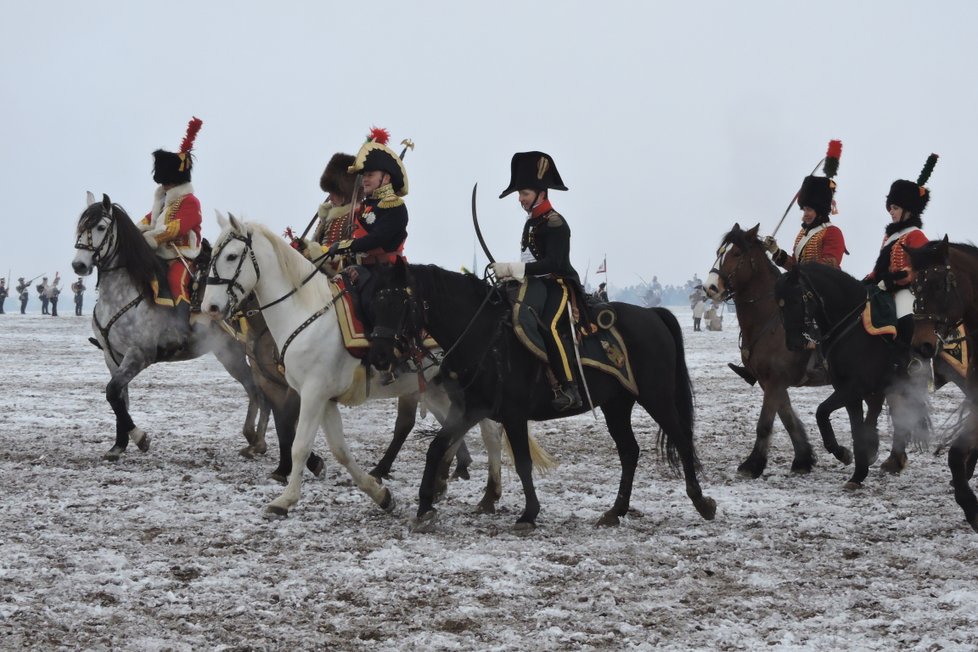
pixel 132 331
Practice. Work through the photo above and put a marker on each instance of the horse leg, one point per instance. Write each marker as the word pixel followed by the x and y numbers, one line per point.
pixel 519 440
pixel 897 460
pixel 333 426
pixel 463 460
pixel 285 410
pixel 865 443
pixel 823 413
pixel 755 463
pixel 454 425
pixel 231 355
pixel 492 434
pixel 804 460
pixel 407 410
pixel 960 459
pixel 116 393
pixel 618 416
pixel 256 405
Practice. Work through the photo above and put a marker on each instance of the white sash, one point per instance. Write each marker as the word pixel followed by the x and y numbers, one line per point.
pixel 804 241
pixel 899 234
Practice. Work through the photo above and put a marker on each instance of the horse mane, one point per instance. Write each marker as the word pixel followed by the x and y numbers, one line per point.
pixel 294 266
pixel 133 253
pixel 929 255
pixel 446 283
pixel 833 277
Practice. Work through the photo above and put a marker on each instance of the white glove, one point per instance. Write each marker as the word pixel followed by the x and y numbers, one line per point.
pixel 514 271
pixel 150 238
pixel 770 244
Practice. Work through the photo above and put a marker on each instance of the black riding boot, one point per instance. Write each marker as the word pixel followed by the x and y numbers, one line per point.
pixel 566 397
pixel 743 373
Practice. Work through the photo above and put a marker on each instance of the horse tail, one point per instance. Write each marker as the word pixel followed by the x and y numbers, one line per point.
pixel 543 461
pixel 684 394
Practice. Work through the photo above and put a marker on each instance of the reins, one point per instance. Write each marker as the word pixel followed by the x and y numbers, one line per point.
pixel 846 323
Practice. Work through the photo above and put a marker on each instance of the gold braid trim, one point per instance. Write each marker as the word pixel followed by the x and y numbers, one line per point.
pixel 388 198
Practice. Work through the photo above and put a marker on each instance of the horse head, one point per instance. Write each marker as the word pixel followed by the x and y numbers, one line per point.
pixel 233 268
pixel 397 317
pixel 729 273
pixel 792 298
pixel 938 304
pixel 96 239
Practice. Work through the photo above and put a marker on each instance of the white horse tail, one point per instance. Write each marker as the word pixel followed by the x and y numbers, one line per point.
pixel 543 461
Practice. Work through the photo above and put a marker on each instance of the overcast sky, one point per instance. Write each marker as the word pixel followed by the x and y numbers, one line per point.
pixel 668 121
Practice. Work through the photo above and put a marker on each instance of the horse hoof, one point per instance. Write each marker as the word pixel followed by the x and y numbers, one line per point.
pixel 274 512
pixel 973 521
pixel 440 492
pixel 461 473
pixel 608 519
pixel 707 507
pixel 388 504
pixel 143 442
pixel 802 467
pixel 750 470
pixel 425 523
pixel 280 478
pixel 247 452
pixel 486 506
pixel 260 449
pixel 524 527
pixel 113 455
pixel 852 486
pixel 318 468
pixel 380 474
pixel 894 464
pixel 844 455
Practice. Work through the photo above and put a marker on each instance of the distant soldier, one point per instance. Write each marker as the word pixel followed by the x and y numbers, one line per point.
pixel 699 307
pixel 601 294
pixel 42 293
pixel 78 288
pixel 3 293
pixel 52 293
pixel 23 290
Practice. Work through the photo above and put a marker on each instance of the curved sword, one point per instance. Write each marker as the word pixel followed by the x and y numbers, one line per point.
pixel 478 231
pixel 792 202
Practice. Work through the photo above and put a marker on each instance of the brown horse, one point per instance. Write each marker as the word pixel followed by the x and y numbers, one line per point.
pixel 945 284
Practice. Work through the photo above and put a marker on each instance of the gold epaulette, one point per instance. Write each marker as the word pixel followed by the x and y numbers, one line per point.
pixel 390 202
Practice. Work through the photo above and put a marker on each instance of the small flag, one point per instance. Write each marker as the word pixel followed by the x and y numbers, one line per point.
pixel 603 267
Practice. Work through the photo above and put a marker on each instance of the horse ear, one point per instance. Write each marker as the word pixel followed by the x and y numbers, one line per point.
pixel 752 232
pixel 221 220
pixel 942 248
pixel 736 226
pixel 235 224
pixel 106 204
pixel 89 198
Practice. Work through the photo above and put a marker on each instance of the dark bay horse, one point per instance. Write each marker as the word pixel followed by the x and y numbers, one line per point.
pixel 497 377
pixel 945 284
pixel 824 304
pixel 131 330
pixel 743 271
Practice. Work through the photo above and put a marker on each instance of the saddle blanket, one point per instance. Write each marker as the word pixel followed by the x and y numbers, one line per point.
pixel 879 315
pixel 351 324
pixel 955 352
pixel 603 350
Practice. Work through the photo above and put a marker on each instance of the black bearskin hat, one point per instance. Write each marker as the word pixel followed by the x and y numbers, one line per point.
pixel 171 168
pixel 910 196
pixel 375 155
pixel 817 192
pixel 533 171
pixel 336 177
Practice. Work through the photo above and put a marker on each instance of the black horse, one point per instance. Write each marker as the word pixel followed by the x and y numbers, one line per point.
pixel 498 377
pixel 825 305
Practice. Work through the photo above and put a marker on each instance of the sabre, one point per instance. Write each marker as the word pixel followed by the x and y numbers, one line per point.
pixel 478 231
pixel 580 366
pixel 793 200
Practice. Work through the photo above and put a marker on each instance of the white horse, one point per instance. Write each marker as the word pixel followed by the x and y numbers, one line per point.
pixel 132 332
pixel 296 301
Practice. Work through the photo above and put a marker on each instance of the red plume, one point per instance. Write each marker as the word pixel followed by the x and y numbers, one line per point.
pixel 835 149
pixel 379 135
pixel 192 128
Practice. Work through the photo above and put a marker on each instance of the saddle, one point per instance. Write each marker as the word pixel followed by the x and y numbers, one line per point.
pixel 600 344
pixel 162 295
pixel 879 316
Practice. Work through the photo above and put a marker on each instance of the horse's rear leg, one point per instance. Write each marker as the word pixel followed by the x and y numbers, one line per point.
pixel 960 458
pixel 823 413
pixel 865 443
pixel 407 410
pixel 285 410
pixel 618 416
pixel 117 394
pixel 230 353
pixel 756 462
pixel 492 434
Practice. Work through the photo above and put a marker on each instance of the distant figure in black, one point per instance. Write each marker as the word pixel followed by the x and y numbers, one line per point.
pixel 78 288
pixel 52 294
pixel 601 294
pixel 3 293
pixel 22 293
pixel 42 293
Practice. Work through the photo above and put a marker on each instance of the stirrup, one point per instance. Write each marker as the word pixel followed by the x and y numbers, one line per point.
pixel 566 398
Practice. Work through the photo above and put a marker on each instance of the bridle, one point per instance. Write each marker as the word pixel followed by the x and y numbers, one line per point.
pixel 920 281
pixel 727 278
pixel 810 296
pixel 106 249
pixel 234 299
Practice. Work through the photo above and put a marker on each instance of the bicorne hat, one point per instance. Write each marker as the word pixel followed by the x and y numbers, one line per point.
pixel 375 155
pixel 912 196
pixel 817 192
pixel 173 168
pixel 533 171
pixel 336 177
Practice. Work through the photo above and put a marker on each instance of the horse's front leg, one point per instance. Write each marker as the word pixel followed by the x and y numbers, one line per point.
pixel 823 414
pixel 865 443
pixel 117 394
pixel 756 462
pixel 960 458
pixel 230 353
pixel 519 440
pixel 311 414
pixel 407 410
pixel 453 429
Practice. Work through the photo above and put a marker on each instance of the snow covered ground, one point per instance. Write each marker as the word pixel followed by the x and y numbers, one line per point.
pixel 168 550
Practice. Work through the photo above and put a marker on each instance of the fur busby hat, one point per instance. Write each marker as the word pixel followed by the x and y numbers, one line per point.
pixel 174 168
pixel 336 177
pixel 376 155
pixel 817 192
pixel 533 171
pixel 912 196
